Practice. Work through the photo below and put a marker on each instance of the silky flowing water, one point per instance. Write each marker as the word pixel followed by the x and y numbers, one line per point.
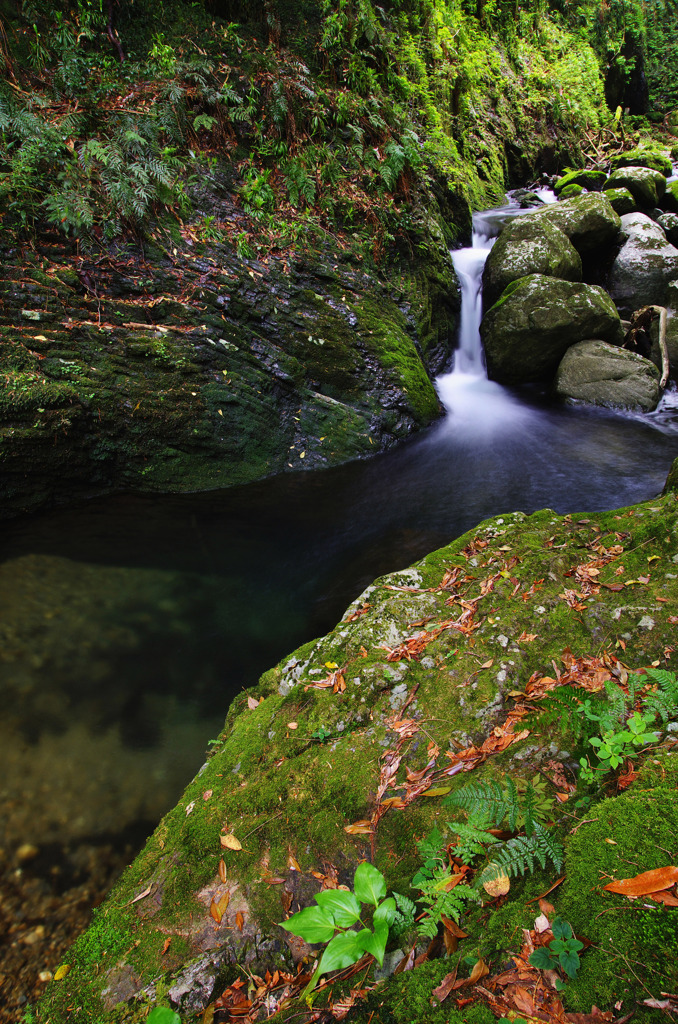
pixel 128 623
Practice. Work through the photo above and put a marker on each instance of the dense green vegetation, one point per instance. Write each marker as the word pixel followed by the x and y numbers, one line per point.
pixel 316 116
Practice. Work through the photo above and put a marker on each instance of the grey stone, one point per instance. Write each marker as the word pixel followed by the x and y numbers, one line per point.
pixel 645 265
pixel 588 220
pixel 646 185
pixel 537 319
pixel 528 246
pixel 668 222
pixel 600 374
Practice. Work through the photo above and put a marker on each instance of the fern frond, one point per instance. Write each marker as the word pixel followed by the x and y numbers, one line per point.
pixel 471 840
pixel 486 801
pixel 518 855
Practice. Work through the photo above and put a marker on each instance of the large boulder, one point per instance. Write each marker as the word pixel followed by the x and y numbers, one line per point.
pixel 528 246
pixel 670 200
pixel 657 160
pixel 600 374
pixel 537 319
pixel 588 220
pixel 644 267
pixel 668 222
pixel 646 185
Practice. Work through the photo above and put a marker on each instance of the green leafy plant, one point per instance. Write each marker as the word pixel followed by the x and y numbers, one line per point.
pixel 562 951
pixel 441 901
pixel 334 918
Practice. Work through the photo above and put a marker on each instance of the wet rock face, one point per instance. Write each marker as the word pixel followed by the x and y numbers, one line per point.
pixel 211 370
pixel 646 185
pixel 588 179
pixel 528 246
pixel 601 374
pixel 588 220
pixel 645 265
pixel 537 319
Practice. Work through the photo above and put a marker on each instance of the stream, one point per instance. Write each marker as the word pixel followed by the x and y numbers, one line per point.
pixel 128 623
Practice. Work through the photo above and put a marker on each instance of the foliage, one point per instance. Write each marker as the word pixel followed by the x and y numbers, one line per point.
pixel 562 952
pixel 163 1015
pixel 622 728
pixel 333 920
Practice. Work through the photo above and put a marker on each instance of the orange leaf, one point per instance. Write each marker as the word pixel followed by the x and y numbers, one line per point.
pixel 645 883
pixel 222 870
pixel 667 898
pixel 363 827
pixel 239 920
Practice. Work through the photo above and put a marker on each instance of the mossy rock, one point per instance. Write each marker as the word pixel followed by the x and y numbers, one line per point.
pixel 297 764
pixel 600 374
pixel 647 186
pixel 656 159
pixel 528 246
pixel 588 179
pixel 670 200
pixel 570 191
pixel 621 200
pixel 527 332
pixel 588 221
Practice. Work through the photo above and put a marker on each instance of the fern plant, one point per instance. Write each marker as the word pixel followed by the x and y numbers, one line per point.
pixel 441 901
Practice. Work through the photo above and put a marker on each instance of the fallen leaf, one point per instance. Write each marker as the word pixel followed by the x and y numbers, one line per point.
pixel 239 920
pixel 252 703
pixel 527 638
pixel 61 972
pixel 488 664
pixel 292 725
pixel 479 971
pixel 541 924
pixel 665 897
pixel 292 862
pixel 498 886
pixel 218 907
pixel 446 986
pixel 207 794
pixel 646 882
pixel 166 945
pixel 229 842
pixel 363 827
pixel 222 870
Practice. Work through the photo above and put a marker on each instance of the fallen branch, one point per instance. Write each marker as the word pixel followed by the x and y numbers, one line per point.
pixel 663 347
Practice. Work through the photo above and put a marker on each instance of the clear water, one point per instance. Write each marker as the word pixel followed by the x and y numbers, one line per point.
pixel 127 624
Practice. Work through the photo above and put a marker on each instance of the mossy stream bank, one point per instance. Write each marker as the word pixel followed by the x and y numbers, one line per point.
pixel 297 763
pixel 197 372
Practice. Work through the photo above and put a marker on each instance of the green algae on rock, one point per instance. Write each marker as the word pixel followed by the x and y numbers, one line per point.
pixel 299 758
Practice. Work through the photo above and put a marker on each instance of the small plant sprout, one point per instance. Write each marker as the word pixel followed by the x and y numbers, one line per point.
pixel 562 951
pixel 334 918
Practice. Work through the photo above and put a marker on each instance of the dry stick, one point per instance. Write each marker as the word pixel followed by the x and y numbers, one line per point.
pixel 663 348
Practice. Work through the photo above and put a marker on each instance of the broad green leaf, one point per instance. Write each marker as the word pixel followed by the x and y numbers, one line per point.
pixel 558 946
pixel 374 942
pixel 385 913
pixel 570 963
pixel 369 883
pixel 311 925
pixel 561 929
pixel 342 951
pixel 163 1015
pixel 541 958
pixel 341 906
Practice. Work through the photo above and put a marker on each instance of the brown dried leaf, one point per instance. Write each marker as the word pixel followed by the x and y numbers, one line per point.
pixel 363 827
pixel 229 842
pixel 222 870
pixel 645 883
pixel 239 920
pixel 497 886
pixel 446 986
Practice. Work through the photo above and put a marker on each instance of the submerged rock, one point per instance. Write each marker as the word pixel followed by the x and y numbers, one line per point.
pixel 528 246
pixel 645 185
pixel 588 220
pixel 644 267
pixel 602 374
pixel 527 332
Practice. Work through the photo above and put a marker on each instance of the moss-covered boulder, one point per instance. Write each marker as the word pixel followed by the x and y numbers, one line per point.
pixel 621 200
pixel 645 265
pixel 528 246
pixel 644 156
pixel 601 374
pixel 328 759
pixel 591 180
pixel 645 185
pixel 527 332
pixel 588 221
pixel 571 191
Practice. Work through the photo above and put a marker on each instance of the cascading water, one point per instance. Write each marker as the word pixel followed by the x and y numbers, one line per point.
pixel 476 405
